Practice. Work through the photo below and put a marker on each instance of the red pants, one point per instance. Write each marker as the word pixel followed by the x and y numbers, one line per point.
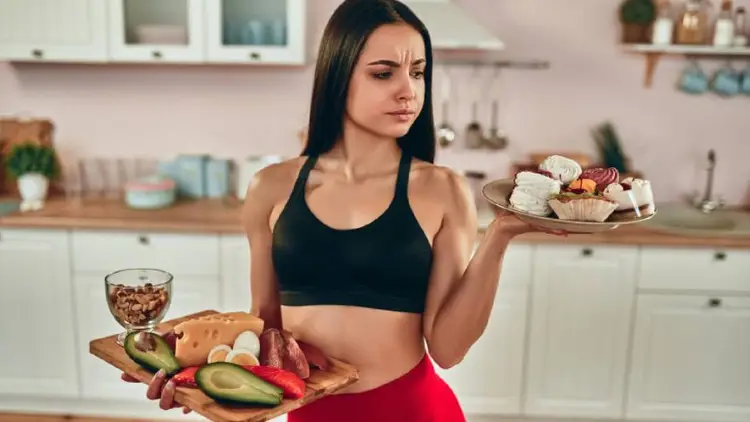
pixel 417 396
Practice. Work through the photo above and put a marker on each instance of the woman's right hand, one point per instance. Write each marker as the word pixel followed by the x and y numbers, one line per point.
pixel 160 388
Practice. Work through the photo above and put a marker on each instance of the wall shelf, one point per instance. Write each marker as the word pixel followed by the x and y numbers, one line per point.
pixel 654 53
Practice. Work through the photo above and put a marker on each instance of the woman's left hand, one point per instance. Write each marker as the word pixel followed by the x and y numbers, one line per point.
pixel 510 224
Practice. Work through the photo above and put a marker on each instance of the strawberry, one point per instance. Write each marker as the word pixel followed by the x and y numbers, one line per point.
pixel 293 386
pixel 186 377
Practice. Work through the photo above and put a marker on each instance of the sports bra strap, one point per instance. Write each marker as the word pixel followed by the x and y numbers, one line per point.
pixel 304 173
pixel 402 180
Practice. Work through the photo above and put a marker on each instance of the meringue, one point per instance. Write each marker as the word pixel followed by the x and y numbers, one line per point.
pixel 532 192
pixel 562 168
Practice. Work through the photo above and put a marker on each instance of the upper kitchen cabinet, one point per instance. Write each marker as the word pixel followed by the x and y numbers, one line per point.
pixel 255 31
pixel 53 30
pixel 156 31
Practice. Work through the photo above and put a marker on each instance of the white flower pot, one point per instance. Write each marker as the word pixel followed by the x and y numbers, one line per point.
pixel 33 188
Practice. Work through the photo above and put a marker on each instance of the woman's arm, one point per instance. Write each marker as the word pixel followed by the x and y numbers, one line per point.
pixel 462 292
pixel 256 212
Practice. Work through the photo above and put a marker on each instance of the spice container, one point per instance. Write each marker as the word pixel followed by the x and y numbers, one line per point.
pixel 693 24
pixel 664 25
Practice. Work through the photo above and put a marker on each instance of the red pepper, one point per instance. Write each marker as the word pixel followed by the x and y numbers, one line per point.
pixel 186 377
pixel 293 386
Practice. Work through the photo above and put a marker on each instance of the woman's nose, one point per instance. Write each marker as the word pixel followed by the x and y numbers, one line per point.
pixel 407 89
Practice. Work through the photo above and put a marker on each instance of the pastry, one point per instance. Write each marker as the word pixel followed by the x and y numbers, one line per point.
pixel 634 199
pixel 532 191
pixel 582 206
pixel 582 186
pixel 602 176
pixel 562 168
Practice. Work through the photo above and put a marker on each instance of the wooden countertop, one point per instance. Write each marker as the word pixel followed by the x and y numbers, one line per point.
pixel 223 216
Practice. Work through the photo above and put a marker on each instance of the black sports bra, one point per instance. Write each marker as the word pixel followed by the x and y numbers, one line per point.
pixel 384 264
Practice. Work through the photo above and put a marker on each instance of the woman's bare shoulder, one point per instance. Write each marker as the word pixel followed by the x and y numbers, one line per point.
pixel 269 185
pixel 439 181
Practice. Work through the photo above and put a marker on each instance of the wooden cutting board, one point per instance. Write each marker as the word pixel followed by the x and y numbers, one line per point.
pixel 320 383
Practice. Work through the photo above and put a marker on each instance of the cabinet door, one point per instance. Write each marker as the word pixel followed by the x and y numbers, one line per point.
pixel 53 30
pixel 256 31
pixel 579 330
pixel 235 273
pixel 489 379
pixel 156 31
pixel 36 315
pixel 100 380
pixel 691 359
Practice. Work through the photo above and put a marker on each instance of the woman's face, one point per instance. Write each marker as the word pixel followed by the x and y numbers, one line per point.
pixel 386 91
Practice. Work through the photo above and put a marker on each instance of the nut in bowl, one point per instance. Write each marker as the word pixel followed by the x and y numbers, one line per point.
pixel 560 195
pixel 138 298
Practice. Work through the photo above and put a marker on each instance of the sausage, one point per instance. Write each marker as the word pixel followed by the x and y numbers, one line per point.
pixel 154 387
pixel 167 396
pixel 171 338
pixel 294 359
pixel 272 348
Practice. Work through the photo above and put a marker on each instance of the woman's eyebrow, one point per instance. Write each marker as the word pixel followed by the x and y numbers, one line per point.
pixel 391 63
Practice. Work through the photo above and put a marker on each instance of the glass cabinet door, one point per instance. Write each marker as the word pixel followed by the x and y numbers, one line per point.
pixel 152 31
pixel 260 31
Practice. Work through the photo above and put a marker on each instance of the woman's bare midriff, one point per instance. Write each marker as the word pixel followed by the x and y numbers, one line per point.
pixel 382 345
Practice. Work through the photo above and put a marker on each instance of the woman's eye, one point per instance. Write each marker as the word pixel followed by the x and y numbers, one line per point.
pixel 419 74
pixel 382 75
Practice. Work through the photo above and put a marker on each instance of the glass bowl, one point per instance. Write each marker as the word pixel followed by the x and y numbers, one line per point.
pixel 138 298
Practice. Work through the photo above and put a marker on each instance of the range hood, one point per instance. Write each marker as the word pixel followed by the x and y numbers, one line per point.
pixel 452 27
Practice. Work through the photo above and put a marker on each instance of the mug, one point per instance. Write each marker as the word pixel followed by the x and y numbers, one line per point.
pixel 745 86
pixel 726 82
pixel 693 80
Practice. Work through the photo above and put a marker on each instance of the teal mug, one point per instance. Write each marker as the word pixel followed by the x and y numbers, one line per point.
pixel 745 85
pixel 693 80
pixel 727 82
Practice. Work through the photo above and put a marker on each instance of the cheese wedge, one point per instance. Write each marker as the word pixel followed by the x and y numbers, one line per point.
pixel 197 337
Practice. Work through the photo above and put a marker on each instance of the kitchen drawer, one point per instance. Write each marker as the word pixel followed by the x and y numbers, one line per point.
pixel 704 269
pixel 180 254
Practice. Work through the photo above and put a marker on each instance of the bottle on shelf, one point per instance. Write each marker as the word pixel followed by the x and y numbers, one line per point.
pixel 724 28
pixel 664 25
pixel 693 24
pixel 740 30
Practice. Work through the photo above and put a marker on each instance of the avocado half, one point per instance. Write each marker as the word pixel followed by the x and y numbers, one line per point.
pixel 229 383
pixel 159 356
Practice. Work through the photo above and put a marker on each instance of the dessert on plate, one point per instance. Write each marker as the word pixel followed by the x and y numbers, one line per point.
pixel 561 187
pixel 634 198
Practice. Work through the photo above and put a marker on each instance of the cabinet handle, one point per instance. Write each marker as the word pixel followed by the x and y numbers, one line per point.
pixel 587 252
pixel 37 53
pixel 255 56
pixel 156 54
pixel 143 240
pixel 720 256
pixel 714 302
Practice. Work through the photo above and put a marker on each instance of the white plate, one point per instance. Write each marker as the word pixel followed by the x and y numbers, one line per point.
pixel 498 194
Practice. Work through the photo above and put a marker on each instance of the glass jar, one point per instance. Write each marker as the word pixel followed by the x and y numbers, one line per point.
pixel 693 25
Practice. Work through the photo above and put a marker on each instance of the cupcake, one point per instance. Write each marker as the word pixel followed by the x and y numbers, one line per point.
pixel 584 206
pixel 561 168
pixel 532 191
pixel 634 199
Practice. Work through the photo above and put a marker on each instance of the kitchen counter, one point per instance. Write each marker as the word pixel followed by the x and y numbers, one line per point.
pixel 223 216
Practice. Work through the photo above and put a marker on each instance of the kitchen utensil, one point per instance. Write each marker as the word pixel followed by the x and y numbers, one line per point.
pixel 445 133
pixel 498 194
pixel 495 140
pixel 151 192
pixel 138 298
pixel 474 134
pixel 249 167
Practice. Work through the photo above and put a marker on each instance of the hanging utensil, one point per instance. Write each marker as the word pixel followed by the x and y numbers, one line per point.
pixel 445 132
pixel 496 140
pixel 474 132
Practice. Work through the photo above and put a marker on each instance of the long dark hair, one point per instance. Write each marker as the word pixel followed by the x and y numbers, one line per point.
pixel 343 39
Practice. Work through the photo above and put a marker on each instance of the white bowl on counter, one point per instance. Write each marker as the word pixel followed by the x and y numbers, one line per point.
pixel 153 192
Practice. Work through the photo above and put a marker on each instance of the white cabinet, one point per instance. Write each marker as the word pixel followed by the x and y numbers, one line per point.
pixel 156 31
pixel 53 30
pixel 235 273
pixel 691 359
pixel 489 380
pixel 37 334
pixel 581 308
pixel 262 31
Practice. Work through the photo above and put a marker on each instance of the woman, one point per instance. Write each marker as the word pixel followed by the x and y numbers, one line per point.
pixel 361 245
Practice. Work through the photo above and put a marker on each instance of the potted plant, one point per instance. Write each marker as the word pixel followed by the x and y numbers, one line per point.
pixel 636 17
pixel 33 166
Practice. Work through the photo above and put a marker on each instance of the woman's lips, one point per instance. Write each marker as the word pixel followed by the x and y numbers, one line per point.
pixel 402 115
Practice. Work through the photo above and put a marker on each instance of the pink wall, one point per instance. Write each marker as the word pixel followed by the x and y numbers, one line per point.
pixel 234 111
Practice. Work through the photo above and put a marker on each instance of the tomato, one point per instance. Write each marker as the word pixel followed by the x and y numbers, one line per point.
pixel 293 386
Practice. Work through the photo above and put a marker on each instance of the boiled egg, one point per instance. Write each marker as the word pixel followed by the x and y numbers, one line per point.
pixel 242 357
pixel 219 353
pixel 248 340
